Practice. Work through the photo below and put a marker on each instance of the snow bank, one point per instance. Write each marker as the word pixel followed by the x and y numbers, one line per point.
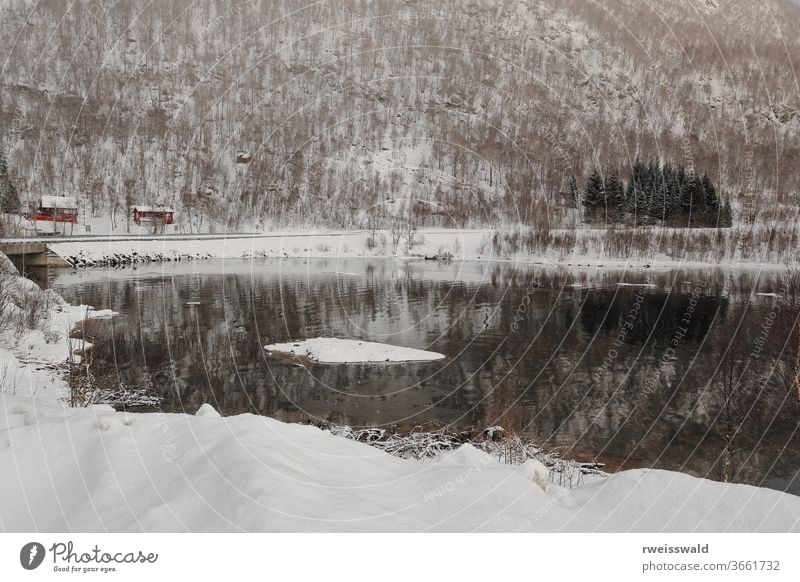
pixel 50 342
pixel 34 337
pixel 100 314
pixel 29 363
pixel 454 244
pixel 340 351
pixel 208 411
pixel 30 380
pixel 93 469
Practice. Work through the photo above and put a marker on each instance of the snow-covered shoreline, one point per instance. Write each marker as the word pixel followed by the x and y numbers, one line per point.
pixel 456 244
pixel 94 469
pixel 32 358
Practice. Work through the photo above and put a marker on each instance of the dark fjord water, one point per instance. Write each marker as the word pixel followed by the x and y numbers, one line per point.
pixel 644 368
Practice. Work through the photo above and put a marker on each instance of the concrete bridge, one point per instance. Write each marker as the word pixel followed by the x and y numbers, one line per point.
pixel 31 254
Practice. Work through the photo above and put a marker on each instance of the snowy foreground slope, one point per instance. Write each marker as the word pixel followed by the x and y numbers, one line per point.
pixel 94 469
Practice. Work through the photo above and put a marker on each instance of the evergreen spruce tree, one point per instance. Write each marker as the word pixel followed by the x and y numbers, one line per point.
pixel 572 191
pixel 658 200
pixel 725 216
pixel 674 195
pixel 634 195
pixel 709 191
pixel 672 208
pixel 9 198
pixel 614 196
pixel 687 187
pixel 594 198
pixel 687 204
pixel 680 195
pixel 650 184
pixel 710 200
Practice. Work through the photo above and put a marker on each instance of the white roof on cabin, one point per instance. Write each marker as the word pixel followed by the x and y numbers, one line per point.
pixel 142 208
pixel 58 202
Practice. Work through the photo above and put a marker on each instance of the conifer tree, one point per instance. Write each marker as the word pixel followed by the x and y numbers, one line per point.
pixel 672 208
pixel 663 192
pixel 650 183
pixel 687 186
pixel 697 215
pixel 9 198
pixel 572 191
pixel 659 194
pixel 594 198
pixel 635 196
pixel 709 194
pixel 725 216
pixel 614 196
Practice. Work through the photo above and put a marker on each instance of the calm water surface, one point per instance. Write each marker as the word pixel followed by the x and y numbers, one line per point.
pixel 644 368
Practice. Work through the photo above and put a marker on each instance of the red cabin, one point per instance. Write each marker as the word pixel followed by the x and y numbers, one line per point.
pixel 155 216
pixel 55 209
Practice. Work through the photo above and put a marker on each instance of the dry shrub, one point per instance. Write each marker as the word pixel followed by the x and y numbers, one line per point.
pixel 565 244
pixel 774 244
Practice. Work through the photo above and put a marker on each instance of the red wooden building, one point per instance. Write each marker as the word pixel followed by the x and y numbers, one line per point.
pixel 55 209
pixel 156 216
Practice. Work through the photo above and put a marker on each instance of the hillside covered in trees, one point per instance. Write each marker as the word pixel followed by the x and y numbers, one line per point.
pixel 340 112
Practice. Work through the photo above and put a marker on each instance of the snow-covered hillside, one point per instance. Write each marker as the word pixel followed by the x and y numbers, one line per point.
pixel 246 115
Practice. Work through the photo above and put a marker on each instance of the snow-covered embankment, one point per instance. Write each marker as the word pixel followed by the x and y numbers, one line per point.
pixel 34 337
pixel 94 469
pixel 665 247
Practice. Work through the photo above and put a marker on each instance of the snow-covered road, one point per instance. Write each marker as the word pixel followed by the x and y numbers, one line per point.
pixel 588 249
